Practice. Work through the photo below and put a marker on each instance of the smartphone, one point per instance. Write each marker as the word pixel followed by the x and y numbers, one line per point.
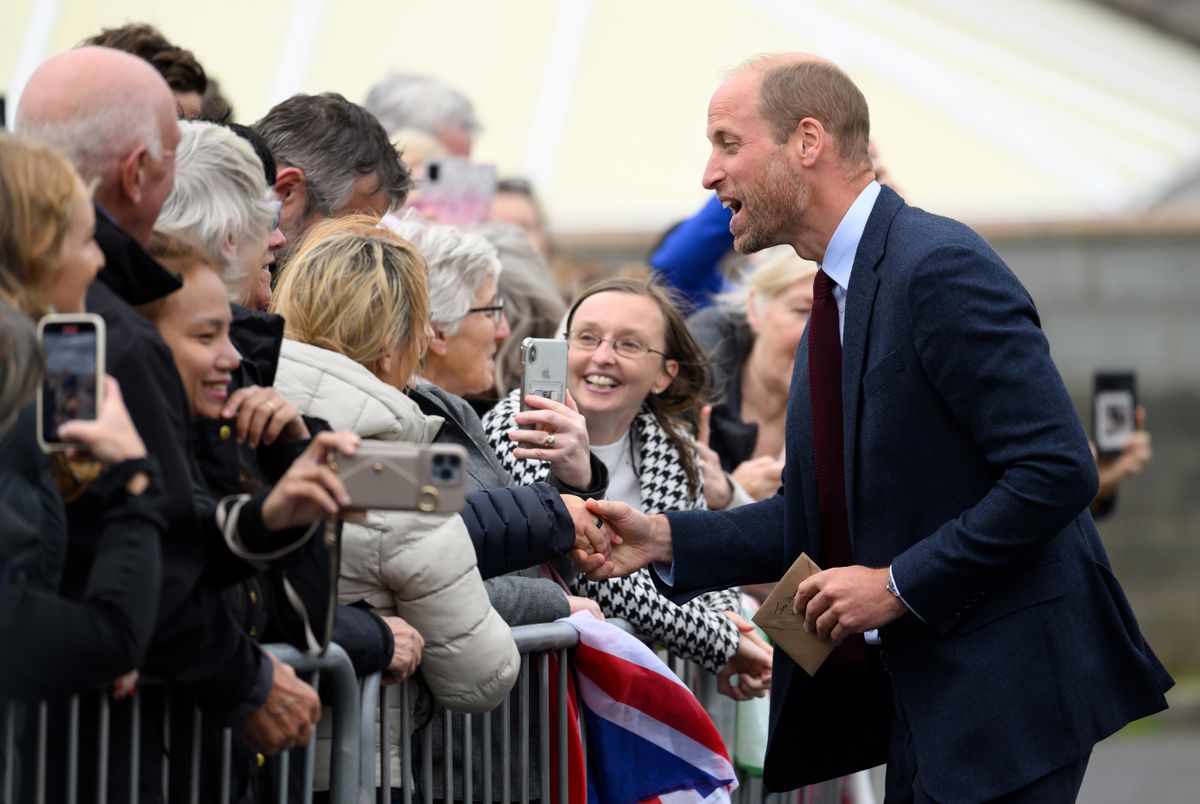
pixel 543 369
pixel 456 190
pixel 72 388
pixel 402 476
pixel 1114 400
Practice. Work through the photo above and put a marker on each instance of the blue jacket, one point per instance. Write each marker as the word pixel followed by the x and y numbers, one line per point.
pixel 968 472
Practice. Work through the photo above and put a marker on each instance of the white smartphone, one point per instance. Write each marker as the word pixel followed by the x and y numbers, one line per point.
pixel 543 369
pixel 73 345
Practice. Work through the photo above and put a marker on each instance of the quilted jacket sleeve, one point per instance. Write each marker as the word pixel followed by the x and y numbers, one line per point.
pixel 518 527
pixel 470 660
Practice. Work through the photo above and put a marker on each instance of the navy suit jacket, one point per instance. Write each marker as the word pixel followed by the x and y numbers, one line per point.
pixel 968 472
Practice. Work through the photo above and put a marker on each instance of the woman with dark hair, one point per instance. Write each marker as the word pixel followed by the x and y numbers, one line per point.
pixel 638 377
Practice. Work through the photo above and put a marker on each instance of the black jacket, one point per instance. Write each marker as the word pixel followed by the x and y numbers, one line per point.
pixel 196 642
pixel 65 645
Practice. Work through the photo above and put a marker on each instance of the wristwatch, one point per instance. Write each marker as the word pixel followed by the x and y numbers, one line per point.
pixel 891 585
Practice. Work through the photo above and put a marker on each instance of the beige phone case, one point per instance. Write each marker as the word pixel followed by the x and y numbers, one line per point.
pixel 402 476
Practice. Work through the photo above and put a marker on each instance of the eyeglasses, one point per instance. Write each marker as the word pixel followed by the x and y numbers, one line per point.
pixel 278 215
pixel 496 310
pixel 624 347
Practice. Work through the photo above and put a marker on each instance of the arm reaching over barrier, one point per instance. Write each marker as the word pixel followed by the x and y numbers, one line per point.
pixel 637 539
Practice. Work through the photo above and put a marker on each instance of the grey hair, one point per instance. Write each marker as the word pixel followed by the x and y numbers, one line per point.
pixel 220 193
pixel 422 102
pixel 21 364
pixel 96 139
pixel 459 262
pixel 335 142
pixel 532 302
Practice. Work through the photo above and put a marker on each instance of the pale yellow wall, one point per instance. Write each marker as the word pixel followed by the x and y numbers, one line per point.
pixel 634 148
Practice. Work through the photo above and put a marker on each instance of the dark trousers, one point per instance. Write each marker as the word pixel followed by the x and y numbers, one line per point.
pixel 903 785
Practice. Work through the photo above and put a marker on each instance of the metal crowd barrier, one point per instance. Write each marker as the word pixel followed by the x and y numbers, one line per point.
pixel 354 773
pixel 536 644
pixel 342 687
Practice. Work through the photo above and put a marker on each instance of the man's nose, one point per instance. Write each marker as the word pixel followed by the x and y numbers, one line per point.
pixel 713 173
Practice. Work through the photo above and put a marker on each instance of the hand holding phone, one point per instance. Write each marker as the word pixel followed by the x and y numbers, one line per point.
pixel 543 369
pixel 73 346
pixel 110 438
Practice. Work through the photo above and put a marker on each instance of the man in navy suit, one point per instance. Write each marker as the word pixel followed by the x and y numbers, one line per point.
pixel 984 646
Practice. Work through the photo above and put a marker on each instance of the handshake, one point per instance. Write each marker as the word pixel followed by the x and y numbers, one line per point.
pixel 613 540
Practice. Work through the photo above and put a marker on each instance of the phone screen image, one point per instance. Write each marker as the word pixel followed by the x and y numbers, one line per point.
pixel 70 385
pixel 1114 411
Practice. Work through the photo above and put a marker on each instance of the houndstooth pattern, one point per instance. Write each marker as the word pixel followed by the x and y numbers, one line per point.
pixel 696 630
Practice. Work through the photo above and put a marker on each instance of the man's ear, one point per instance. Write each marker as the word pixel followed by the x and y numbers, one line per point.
pixel 292 192
pixel 438 344
pixel 132 174
pixel 666 376
pixel 808 141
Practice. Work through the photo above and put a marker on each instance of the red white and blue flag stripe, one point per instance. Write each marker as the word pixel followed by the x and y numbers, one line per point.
pixel 648 738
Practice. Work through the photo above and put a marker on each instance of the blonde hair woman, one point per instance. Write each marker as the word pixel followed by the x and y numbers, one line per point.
pixel 752 335
pixel 357 312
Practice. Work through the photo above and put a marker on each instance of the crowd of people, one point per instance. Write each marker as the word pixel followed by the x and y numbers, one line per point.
pixel 272 301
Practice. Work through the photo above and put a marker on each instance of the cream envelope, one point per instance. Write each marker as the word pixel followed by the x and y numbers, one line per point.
pixel 775 616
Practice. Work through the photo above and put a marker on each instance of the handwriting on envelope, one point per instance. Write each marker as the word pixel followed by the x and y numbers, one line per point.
pixel 786 628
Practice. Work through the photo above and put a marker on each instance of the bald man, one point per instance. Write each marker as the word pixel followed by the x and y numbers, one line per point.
pixel 936 469
pixel 114 116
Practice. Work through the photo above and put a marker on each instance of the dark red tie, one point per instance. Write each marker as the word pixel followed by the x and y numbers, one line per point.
pixel 825 398
pixel 825 395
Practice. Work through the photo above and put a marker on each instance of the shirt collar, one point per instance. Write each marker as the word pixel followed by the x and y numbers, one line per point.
pixel 839 254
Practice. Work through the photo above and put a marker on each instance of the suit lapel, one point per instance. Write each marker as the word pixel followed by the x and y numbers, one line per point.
pixel 860 299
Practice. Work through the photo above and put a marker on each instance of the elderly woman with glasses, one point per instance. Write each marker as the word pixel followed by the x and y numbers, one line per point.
pixel 637 376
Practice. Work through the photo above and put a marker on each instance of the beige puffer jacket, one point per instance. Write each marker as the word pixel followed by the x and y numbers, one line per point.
pixel 418 566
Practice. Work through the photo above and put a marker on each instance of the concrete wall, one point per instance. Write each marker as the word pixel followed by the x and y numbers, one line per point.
pixel 1131 299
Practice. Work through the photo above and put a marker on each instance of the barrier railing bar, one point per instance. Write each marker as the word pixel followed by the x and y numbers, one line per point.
pixel 10 749
pixel 135 745
pixel 73 751
pixel 369 693
pixel 544 725
pixel 505 751
pixel 310 754
pixel 226 762
pixel 166 738
pixel 194 773
pixel 406 755
pixel 282 764
pixel 43 732
pixel 447 756
pixel 562 723
pixel 523 715
pixel 468 759
pixel 427 763
pixel 486 759
pixel 385 751
pixel 102 750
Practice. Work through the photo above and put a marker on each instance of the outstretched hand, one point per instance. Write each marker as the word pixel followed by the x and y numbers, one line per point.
pixel 637 539
pixel 592 549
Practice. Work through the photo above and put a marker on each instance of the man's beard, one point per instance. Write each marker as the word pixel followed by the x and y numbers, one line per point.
pixel 781 197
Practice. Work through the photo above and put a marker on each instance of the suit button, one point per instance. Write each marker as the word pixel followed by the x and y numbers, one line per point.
pixel 253 598
pixel 225 432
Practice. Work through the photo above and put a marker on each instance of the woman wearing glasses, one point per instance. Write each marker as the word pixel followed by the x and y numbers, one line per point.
pixel 635 373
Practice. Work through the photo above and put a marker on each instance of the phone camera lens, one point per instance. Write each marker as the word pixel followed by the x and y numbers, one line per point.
pixel 446 468
pixel 532 354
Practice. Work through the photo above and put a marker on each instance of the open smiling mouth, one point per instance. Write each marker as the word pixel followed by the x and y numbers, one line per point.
pixel 600 381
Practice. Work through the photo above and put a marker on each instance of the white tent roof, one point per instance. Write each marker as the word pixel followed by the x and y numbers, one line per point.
pixel 1026 110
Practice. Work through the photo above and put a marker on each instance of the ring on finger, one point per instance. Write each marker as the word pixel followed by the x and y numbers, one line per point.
pixel 550 439
pixel 599 522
